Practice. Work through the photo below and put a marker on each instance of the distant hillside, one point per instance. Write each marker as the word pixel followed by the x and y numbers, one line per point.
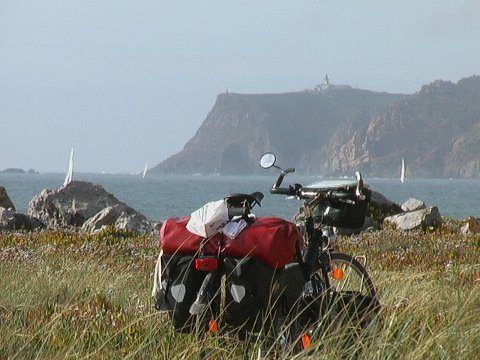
pixel 339 130
pixel 240 128
pixel 436 130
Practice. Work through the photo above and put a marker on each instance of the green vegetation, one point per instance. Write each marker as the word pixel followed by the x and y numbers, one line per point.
pixel 82 296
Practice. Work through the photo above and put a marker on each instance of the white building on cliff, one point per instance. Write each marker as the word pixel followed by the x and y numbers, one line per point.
pixel 326 85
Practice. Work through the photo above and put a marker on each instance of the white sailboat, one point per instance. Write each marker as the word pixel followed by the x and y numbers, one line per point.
pixel 402 171
pixel 69 177
pixel 145 171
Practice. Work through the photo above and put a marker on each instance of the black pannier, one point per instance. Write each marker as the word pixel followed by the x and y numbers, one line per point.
pixel 178 284
pixel 259 297
pixel 248 288
pixel 343 213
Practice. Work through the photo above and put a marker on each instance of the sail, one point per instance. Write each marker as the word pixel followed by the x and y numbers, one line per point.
pixel 145 170
pixel 402 172
pixel 69 177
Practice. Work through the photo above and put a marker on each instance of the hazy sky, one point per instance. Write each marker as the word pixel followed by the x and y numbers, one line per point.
pixel 126 82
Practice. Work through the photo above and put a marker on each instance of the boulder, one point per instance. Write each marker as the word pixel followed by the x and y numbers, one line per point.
pixel 5 201
pixel 419 219
pixel 471 226
pixel 11 220
pixel 81 204
pixel 368 226
pixel 104 218
pixel 113 216
pixel 380 207
pixel 134 222
pixel 413 204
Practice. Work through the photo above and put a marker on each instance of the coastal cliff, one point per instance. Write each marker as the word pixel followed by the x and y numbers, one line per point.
pixel 337 130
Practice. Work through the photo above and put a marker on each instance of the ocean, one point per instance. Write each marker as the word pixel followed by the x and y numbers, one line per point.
pixel 163 196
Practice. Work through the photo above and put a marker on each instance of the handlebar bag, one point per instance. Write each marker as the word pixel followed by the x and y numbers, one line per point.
pixel 176 239
pixel 273 240
pixel 343 214
pixel 337 212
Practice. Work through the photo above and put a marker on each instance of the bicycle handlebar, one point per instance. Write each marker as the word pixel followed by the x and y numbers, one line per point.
pixel 297 190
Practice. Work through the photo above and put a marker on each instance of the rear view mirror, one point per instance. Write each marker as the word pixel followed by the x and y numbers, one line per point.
pixel 267 160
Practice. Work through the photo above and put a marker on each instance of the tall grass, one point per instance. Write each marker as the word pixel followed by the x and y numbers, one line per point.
pixel 88 297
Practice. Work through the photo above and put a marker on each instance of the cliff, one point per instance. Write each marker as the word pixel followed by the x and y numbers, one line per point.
pixel 340 130
pixel 240 128
pixel 436 130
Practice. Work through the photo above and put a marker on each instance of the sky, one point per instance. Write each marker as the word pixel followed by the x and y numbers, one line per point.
pixel 129 82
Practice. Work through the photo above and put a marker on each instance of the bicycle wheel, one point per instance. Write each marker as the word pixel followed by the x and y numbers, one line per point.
pixel 349 275
pixel 345 305
pixel 352 295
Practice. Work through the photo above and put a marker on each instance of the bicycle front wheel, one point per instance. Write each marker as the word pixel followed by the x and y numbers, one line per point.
pixel 352 297
pixel 348 275
pixel 347 305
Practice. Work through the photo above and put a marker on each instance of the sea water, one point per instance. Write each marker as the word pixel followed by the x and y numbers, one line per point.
pixel 163 196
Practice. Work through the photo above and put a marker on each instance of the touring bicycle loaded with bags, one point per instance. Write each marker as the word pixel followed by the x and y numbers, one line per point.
pixel 224 270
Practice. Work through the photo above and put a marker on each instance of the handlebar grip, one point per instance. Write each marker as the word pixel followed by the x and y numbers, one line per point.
pixel 341 195
pixel 282 191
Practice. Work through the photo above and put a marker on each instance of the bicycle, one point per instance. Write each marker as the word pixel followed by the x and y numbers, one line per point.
pixel 339 292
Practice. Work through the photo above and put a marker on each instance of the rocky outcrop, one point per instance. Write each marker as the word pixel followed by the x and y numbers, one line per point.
pixel 436 130
pixel 296 126
pixel 413 204
pixel 418 219
pixel 113 216
pixel 87 206
pixel 471 226
pixel 10 220
pixel 379 208
pixel 136 223
pixel 341 130
pixel 5 201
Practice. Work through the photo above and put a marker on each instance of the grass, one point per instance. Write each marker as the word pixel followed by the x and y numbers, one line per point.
pixel 88 297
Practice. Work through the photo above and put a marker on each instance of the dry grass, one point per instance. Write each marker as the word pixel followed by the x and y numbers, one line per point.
pixel 80 296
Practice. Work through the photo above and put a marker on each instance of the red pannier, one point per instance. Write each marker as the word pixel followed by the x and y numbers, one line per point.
pixel 176 239
pixel 272 240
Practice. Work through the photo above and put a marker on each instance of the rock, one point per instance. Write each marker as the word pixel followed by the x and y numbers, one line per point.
pixel 422 218
pixel 5 201
pixel 104 218
pixel 13 171
pixel 368 226
pixel 11 220
pixel 413 204
pixel 380 207
pixel 134 222
pixel 83 205
pixel 380 202
pixel 112 216
pixel 472 226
